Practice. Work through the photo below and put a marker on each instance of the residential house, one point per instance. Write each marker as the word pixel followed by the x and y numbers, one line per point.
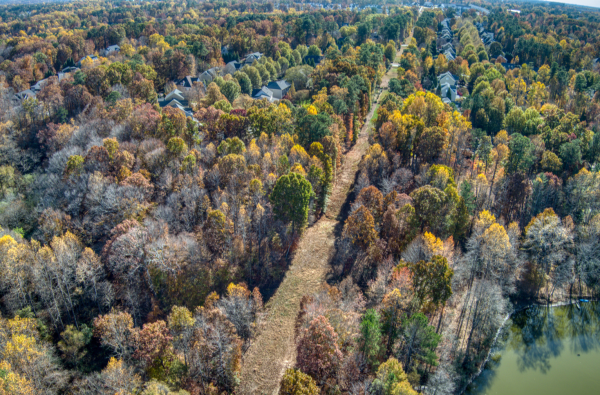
pixel 209 75
pixel 263 93
pixel 253 57
pixel 66 72
pixel 487 38
pixel 206 78
pixel 33 90
pixel 448 91
pixel 113 49
pixel 186 83
pixel 448 46
pixel 69 69
pixel 39 85
pixel 26 94
pixel 445 32
pixel 449 50
pixel 449 55
pixel 231 67
pixel 279 88
pixel 175 94
pixel 447 78
pixel 177 100
pixel 92 57
pixel 176 104
pixel 62 76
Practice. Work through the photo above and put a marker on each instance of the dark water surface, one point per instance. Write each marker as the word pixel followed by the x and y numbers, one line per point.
pixel 546 351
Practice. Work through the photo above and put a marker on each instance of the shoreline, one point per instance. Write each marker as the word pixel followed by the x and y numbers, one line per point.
pixel 517 310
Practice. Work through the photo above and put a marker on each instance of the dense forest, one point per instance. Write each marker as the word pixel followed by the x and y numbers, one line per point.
pixel 161 161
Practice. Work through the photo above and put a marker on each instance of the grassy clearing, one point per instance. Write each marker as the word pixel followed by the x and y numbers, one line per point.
pixel 274 349
pixel 374 119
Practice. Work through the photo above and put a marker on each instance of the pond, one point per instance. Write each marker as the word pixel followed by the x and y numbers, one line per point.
pixel 545 350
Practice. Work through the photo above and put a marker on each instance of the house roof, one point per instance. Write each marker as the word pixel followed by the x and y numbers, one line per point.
pixel 180 104
pixel 62 76
pixel 175 94
pixel 70 69
pixel 445 89
pixel 206 76
pixel 253 56
pixel 447 73
pixel 213 71
pixel 93 57
pixel 26 94
pixel 234 63
pixel 279 85
pixel 113 48
pixel 39 85
pixel 262 92
pixel 231 67
pixel 449 48
pixel 449 55
pixel 176 104
pixel 446 86
pixel 187 81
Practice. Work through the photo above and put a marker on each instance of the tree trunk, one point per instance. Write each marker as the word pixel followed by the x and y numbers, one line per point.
pixel 492 184
pixel 439 325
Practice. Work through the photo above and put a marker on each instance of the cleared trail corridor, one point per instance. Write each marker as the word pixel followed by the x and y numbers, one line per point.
pixel 274 349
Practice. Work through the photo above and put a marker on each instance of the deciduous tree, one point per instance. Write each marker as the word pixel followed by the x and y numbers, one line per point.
pixel 318 353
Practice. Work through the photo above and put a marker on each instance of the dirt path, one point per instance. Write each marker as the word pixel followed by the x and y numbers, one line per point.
pixel 392 72
pixel 274 349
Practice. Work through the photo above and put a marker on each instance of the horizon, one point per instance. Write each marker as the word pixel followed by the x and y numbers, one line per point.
pixel 587 3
